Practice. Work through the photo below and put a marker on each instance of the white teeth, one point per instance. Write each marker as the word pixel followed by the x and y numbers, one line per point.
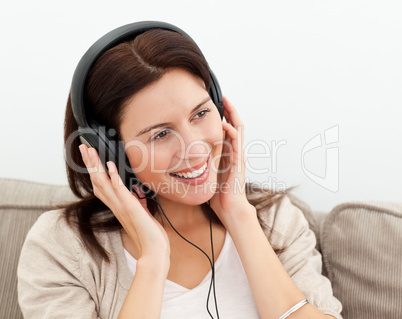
pixel 192 174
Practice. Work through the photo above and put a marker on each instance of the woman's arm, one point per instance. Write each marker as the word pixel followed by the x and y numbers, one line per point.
pixel 273 290
pixel 50 283
pixel 288 229
pixel 144 299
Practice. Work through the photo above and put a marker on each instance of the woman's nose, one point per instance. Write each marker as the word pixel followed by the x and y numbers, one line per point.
pixel 193 144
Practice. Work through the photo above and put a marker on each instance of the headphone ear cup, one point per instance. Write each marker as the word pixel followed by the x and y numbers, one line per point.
pixel 89 137
pixel 215 93
pixel 107 147
pixel 110 149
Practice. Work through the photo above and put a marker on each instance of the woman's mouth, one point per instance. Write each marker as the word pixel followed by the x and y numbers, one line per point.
pixel 194 177
pixel 192 174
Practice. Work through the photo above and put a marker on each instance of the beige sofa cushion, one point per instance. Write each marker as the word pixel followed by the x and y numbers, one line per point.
pixel 361 245
pixel 21 203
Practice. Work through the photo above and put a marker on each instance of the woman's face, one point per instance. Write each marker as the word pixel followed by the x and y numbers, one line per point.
pixel 173 137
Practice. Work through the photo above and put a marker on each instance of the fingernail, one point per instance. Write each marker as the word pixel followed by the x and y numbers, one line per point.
pixel 110 167
pixel 81 147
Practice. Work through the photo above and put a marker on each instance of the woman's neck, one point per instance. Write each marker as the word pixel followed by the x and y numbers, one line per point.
pixel 182 216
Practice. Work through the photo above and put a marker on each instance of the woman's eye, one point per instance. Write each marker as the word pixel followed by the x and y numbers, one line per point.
pixel 160 135
pixel 164 133
pixel 202 113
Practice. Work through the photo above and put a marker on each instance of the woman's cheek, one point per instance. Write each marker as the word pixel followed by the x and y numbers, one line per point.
pixel 217 137
pixel 160 158
pixel 138 158
pixel 214 127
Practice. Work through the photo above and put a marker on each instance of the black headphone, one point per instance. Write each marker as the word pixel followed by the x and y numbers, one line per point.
pixel 91 133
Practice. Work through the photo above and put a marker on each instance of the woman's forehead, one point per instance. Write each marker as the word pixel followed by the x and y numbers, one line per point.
pixel 175 93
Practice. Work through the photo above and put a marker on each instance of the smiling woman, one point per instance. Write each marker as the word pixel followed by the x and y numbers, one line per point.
pixel 158 237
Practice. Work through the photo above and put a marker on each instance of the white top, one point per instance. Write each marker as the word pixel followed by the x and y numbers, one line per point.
pixel 59 278
pixel 233 294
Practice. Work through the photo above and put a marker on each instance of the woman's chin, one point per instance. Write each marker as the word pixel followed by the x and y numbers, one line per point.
pixel 183 192
pixel 194 195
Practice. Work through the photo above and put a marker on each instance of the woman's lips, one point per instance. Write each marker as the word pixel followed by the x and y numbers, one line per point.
pixel 194 180
pixel 191 169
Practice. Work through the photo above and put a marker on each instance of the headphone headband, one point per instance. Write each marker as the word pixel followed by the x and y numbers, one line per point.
pixel 90 132
pixel 108 41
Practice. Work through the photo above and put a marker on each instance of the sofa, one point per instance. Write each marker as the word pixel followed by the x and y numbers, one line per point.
pixel 360 243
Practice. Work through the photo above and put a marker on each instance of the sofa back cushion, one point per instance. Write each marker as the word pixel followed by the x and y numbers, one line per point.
pixel 21 203
pixel 361 244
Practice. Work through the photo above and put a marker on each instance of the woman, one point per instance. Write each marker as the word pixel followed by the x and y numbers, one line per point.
pixel 193 241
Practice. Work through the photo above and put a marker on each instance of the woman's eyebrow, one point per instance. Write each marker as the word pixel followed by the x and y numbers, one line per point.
pixel 149 128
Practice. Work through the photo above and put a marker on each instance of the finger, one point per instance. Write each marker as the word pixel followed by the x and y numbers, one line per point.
pixel 138 192
pixel 239 157
pixel 231 112
pixel 122 192
pixel 235 133
pixel 228 105
pixel 233 116
pixel 130 208
pixel 235 136
pixel 116 181
pixel 99 194
pixel 87 158
pixel 91 161
pixel 101 183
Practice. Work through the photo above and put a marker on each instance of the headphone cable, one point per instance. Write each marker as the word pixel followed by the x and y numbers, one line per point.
pixel 212 263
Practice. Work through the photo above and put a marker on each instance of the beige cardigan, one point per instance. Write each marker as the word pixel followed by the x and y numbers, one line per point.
pixel 58 278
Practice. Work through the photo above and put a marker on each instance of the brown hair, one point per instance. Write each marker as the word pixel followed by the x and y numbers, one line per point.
pixel 117 75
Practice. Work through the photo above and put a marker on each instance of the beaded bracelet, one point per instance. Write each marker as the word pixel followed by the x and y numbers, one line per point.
pixel 294 308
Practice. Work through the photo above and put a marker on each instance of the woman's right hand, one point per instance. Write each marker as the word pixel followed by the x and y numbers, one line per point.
pixel 147 234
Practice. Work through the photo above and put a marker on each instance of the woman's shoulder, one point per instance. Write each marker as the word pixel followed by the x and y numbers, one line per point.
pixel 280 219
pixel 52 232
pixel 50 218
pixel 55 269
pixel 53 221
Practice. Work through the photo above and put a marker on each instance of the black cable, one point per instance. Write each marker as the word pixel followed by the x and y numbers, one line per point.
pixel 212 272
pixel 213 259
pixel 212 263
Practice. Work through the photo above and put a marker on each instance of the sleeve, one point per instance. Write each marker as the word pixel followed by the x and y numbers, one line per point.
pixel 49 283
pixel 289 230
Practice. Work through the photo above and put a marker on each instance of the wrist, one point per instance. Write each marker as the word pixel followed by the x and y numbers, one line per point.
pixel 155 267
pixel 241 217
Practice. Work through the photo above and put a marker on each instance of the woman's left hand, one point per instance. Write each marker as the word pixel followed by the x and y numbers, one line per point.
pixel 230 199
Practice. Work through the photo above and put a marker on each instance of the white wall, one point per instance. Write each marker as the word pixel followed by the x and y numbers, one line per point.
pixel 294 69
